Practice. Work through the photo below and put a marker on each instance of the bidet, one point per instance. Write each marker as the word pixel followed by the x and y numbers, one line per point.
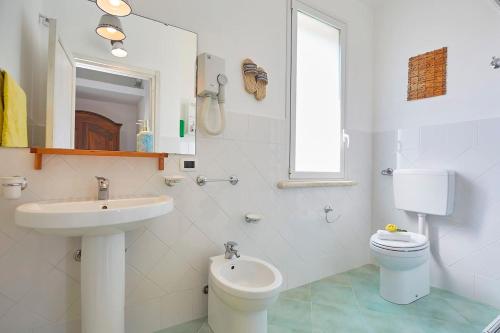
pixel 231 251
pixel 240 291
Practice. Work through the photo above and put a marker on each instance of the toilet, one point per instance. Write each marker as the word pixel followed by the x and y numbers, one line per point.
pixel 240 292
pixel 404 266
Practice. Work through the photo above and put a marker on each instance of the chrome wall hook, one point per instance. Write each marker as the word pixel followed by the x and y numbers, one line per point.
pixel 252 218
pixel 328 211
pixel 387 172
pixel 495 63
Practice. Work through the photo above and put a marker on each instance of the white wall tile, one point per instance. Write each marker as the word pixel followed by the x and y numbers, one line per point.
pixel 145 252
pixel 132 279
pixel 51 295
pixel 5 243
pixel 487 290
pixel 236 126
pixel 21 320
pixel 5 304
pixel 170 228
pixel 73 326
pixel 143 317
pixel 21 268
pixel 169 271
pixel 196 248
pixel 176 308
pixel 144 291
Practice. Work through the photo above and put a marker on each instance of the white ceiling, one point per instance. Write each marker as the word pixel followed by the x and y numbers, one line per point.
pixel 107 96
pixel 108 92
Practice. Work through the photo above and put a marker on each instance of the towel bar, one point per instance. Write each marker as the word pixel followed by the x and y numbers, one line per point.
pixel 202 180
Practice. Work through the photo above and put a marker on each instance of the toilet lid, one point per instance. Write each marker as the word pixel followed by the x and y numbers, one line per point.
pixel 418 242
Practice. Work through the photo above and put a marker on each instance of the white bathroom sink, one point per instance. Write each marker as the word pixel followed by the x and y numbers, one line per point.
pixel 99 217
pixel 102 225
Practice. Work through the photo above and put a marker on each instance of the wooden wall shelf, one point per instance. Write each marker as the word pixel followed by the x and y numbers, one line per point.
pixel 39 152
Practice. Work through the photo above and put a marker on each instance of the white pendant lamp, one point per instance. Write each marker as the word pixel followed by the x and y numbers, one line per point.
pixel 115 7
pixel 117 49
pixel 110 27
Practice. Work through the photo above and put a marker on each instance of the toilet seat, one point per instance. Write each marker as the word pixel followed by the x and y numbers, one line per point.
pixel 418 243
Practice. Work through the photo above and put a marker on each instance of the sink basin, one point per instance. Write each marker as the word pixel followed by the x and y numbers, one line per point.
pixel 79 218
pixel 102 225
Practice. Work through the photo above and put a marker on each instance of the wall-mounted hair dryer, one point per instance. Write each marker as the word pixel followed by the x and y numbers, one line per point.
pixel 211 86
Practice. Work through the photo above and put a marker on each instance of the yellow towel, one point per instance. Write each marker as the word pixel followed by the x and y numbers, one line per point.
pixel 15 118
pixel 1 105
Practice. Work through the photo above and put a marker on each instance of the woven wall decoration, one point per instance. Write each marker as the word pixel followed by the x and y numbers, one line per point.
pixel 427 74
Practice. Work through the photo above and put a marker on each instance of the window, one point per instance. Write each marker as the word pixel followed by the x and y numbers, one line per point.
pixel 317 59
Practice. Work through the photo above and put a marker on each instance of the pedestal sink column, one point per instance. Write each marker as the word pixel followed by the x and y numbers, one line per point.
pixel 103 284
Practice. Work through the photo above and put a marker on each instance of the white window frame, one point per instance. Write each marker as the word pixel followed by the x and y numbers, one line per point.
pixel 295 8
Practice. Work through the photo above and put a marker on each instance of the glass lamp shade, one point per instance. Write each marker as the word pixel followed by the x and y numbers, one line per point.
pixel 117 49
pixel 115 7
pixel 110 27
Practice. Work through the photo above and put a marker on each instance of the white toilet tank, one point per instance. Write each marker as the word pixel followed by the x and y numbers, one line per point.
pixel 424 191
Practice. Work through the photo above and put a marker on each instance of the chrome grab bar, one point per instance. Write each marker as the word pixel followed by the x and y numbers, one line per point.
pixel 202 180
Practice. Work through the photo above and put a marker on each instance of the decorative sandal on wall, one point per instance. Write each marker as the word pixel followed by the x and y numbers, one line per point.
pixel 249 69
pixel 262 82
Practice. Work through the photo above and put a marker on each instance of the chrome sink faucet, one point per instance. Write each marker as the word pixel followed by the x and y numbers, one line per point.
pixel 103 188
pixel 231 251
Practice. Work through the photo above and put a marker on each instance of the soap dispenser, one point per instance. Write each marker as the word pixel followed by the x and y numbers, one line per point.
pixel 145 137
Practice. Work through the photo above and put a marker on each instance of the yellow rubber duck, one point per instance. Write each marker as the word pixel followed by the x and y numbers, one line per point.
pixel 394 228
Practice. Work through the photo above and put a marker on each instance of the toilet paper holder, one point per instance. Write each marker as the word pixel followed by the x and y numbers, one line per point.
pixel 12 186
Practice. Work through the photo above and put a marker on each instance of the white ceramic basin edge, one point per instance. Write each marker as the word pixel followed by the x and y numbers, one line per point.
pixel 97 217
pixel 245 276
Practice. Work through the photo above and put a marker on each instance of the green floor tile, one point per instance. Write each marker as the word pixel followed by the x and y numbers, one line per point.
pixel 279 329
pixel 338 319
pixel 350 303
pixel 301 293
pixel 389 323
pixel 442 326
pixel 189 327
pixel 434 307
pixel 289 313
pixel 368 297
pixel 475 313
pixel 326 293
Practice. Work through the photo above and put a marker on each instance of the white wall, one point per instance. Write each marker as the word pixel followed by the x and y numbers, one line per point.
pixel 167 262
pixel 465 246
pixel 23 57
pixel 124 114
pixel 471 31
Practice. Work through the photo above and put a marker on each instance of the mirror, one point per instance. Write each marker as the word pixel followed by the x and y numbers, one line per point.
pixel 134 95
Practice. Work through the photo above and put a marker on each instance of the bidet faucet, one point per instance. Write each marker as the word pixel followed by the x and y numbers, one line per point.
pixel 231 250
pixel 103 188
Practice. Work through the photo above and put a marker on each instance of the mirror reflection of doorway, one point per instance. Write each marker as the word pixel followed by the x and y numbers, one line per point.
pixel 96 132
pixel 108 107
